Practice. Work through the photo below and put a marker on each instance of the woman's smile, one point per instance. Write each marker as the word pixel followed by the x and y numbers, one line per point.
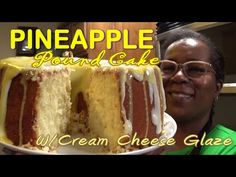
pixel 180 94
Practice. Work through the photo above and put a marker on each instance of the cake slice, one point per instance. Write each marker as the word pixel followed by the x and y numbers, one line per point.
pixel 33 102
pixel 117 101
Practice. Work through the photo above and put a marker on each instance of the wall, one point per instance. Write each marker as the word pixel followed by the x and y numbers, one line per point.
pixel 224 38
pixel 5 28
pixel 225 111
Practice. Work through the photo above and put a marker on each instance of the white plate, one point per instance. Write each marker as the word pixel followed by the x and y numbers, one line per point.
pixel 170 128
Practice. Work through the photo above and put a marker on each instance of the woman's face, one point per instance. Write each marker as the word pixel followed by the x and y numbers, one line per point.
pixel 189 99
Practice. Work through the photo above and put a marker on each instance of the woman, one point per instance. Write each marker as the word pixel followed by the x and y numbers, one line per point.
pixel 193 75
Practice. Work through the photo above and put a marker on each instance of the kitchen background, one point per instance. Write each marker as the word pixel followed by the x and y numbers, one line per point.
pixel 223 35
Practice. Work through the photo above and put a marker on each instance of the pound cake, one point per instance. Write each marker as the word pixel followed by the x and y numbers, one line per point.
pixel 106 101
pixel 33 102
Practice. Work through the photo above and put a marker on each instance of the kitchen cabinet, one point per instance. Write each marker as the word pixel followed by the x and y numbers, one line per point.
pixel 79 51
pixel 133 32
pixel 132 27
pixel 224 37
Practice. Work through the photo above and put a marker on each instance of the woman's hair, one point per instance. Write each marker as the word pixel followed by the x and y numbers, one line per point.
pixel 216 57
